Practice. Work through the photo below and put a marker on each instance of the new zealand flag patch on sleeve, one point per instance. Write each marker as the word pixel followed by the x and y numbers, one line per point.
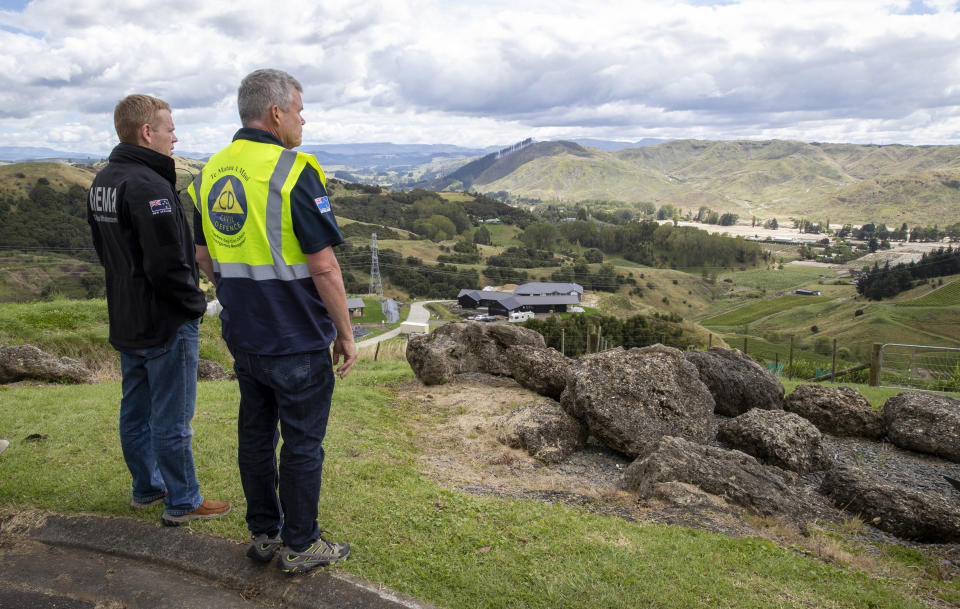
pixel 160 206
pixel 323 204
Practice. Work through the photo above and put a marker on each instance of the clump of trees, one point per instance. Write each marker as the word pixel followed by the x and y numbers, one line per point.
pixel 409 274
pixel 636 331
pixel 423 212
pixel 883 282
pixel 649 242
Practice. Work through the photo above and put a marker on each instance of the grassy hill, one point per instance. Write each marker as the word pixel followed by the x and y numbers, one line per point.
pixel 839 182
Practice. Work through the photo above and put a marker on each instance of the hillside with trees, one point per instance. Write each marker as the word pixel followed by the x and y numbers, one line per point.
pixel 848 182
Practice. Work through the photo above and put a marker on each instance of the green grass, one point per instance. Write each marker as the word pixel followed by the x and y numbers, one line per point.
pixel 754 311
pixel 452 549
pixel 79 329
pixel 948 295
pixel 773 280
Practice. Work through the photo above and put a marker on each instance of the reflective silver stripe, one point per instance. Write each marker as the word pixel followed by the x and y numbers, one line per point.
pixel 197 184
pixel 260 272
pixel 275 213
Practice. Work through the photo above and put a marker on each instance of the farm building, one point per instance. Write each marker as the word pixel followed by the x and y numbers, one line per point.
pixel 355 306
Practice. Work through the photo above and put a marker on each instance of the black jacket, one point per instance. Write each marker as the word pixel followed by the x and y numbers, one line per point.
pixel 143 241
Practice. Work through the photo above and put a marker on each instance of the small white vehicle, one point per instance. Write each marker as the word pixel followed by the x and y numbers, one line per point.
pixel 518 316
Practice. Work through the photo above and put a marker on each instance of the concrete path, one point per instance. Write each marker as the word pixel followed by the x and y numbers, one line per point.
pixel 89 562
pixel 418 313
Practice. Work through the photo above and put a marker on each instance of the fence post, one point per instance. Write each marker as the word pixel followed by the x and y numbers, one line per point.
pixel 875 365
pixel 599 336
pixel 790 363
pixel 376 352
pixel 710 341
pixel 833 367
pixel 563 341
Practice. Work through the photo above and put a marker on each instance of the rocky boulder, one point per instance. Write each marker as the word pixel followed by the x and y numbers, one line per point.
pixel 211 371
pixel 468 346
pixel 924 422
pixel 736 382
pixel 543 429
pixel 778 438
pixel 543 370
pixel 840 411
pixel 630 399
pixel 735 476
pixel 903 511
pixel 26 362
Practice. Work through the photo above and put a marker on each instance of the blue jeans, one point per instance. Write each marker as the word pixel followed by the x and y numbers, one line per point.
pixel 294 391
pixel 159 393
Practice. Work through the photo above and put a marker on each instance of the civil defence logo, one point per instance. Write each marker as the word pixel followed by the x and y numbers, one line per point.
pixel 227 203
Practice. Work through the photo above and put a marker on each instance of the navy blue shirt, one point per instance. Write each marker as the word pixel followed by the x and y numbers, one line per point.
pixel 274 316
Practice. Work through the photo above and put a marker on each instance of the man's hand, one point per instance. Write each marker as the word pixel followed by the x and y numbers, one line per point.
pixel 343 346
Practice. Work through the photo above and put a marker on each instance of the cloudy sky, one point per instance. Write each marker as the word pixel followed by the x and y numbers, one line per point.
pixel 480 73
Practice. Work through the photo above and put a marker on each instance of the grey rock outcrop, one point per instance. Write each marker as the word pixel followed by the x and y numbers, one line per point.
pixel 26 362
pixel 211 371
pixel 468 346
pixel 736 382
pixel 543 370
pixel 778 438
pixel 630 399
pixel 688 497
pixel 903 511
pixel 924 422
pixel 543 429
pixel 735 476
pixel 840 411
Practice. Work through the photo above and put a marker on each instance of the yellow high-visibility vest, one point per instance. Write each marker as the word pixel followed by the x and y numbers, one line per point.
pixel 243 196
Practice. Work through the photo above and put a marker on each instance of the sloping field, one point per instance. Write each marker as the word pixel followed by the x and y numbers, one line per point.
pixel 762 308
pixel 946 296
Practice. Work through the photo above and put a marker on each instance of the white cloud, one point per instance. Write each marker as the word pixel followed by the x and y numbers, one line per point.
pixel 487 73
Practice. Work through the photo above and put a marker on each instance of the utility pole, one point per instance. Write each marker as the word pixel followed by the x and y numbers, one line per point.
pixel 376 285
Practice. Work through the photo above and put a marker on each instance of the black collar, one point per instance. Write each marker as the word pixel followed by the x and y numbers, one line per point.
pixel 160 163
pixel 257 135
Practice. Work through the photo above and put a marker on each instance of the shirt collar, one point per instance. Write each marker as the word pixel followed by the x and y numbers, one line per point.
pixel 257 135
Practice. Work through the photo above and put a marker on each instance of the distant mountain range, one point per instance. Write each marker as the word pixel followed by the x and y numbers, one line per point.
pixel 765 179
pixel 356 157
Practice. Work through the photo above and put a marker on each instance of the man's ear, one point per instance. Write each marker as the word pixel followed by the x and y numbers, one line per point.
pixel 275 114
pixel 144 134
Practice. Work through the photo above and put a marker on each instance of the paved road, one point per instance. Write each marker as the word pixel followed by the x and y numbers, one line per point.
pixel 418 314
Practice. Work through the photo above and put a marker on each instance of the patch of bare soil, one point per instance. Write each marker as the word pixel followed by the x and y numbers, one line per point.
pixel 463 454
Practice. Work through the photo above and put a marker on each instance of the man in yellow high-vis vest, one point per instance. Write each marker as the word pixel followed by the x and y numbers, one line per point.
pixel 264 232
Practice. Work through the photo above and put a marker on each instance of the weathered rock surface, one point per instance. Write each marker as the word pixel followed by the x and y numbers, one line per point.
pixel 468 346
pixel 736 382
pixel 778 438
pixel 211 371
pixel 924 422
pixel 903 511
pixel 543 370
pixel 26 362
pixel 630 399
pixel 543 429
pixel 839 411
pixel 735 476
pixel 688 496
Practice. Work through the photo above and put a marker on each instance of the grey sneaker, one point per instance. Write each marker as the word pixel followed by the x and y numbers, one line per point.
pixel 263 547
pixel 320 553
pixel 139 505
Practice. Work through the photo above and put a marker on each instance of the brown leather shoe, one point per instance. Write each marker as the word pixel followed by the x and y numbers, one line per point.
pixel 205 511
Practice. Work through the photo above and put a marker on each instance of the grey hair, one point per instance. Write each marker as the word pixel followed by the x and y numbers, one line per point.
pixel 262 89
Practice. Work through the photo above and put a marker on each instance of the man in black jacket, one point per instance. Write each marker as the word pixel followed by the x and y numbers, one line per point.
pixel 154 302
